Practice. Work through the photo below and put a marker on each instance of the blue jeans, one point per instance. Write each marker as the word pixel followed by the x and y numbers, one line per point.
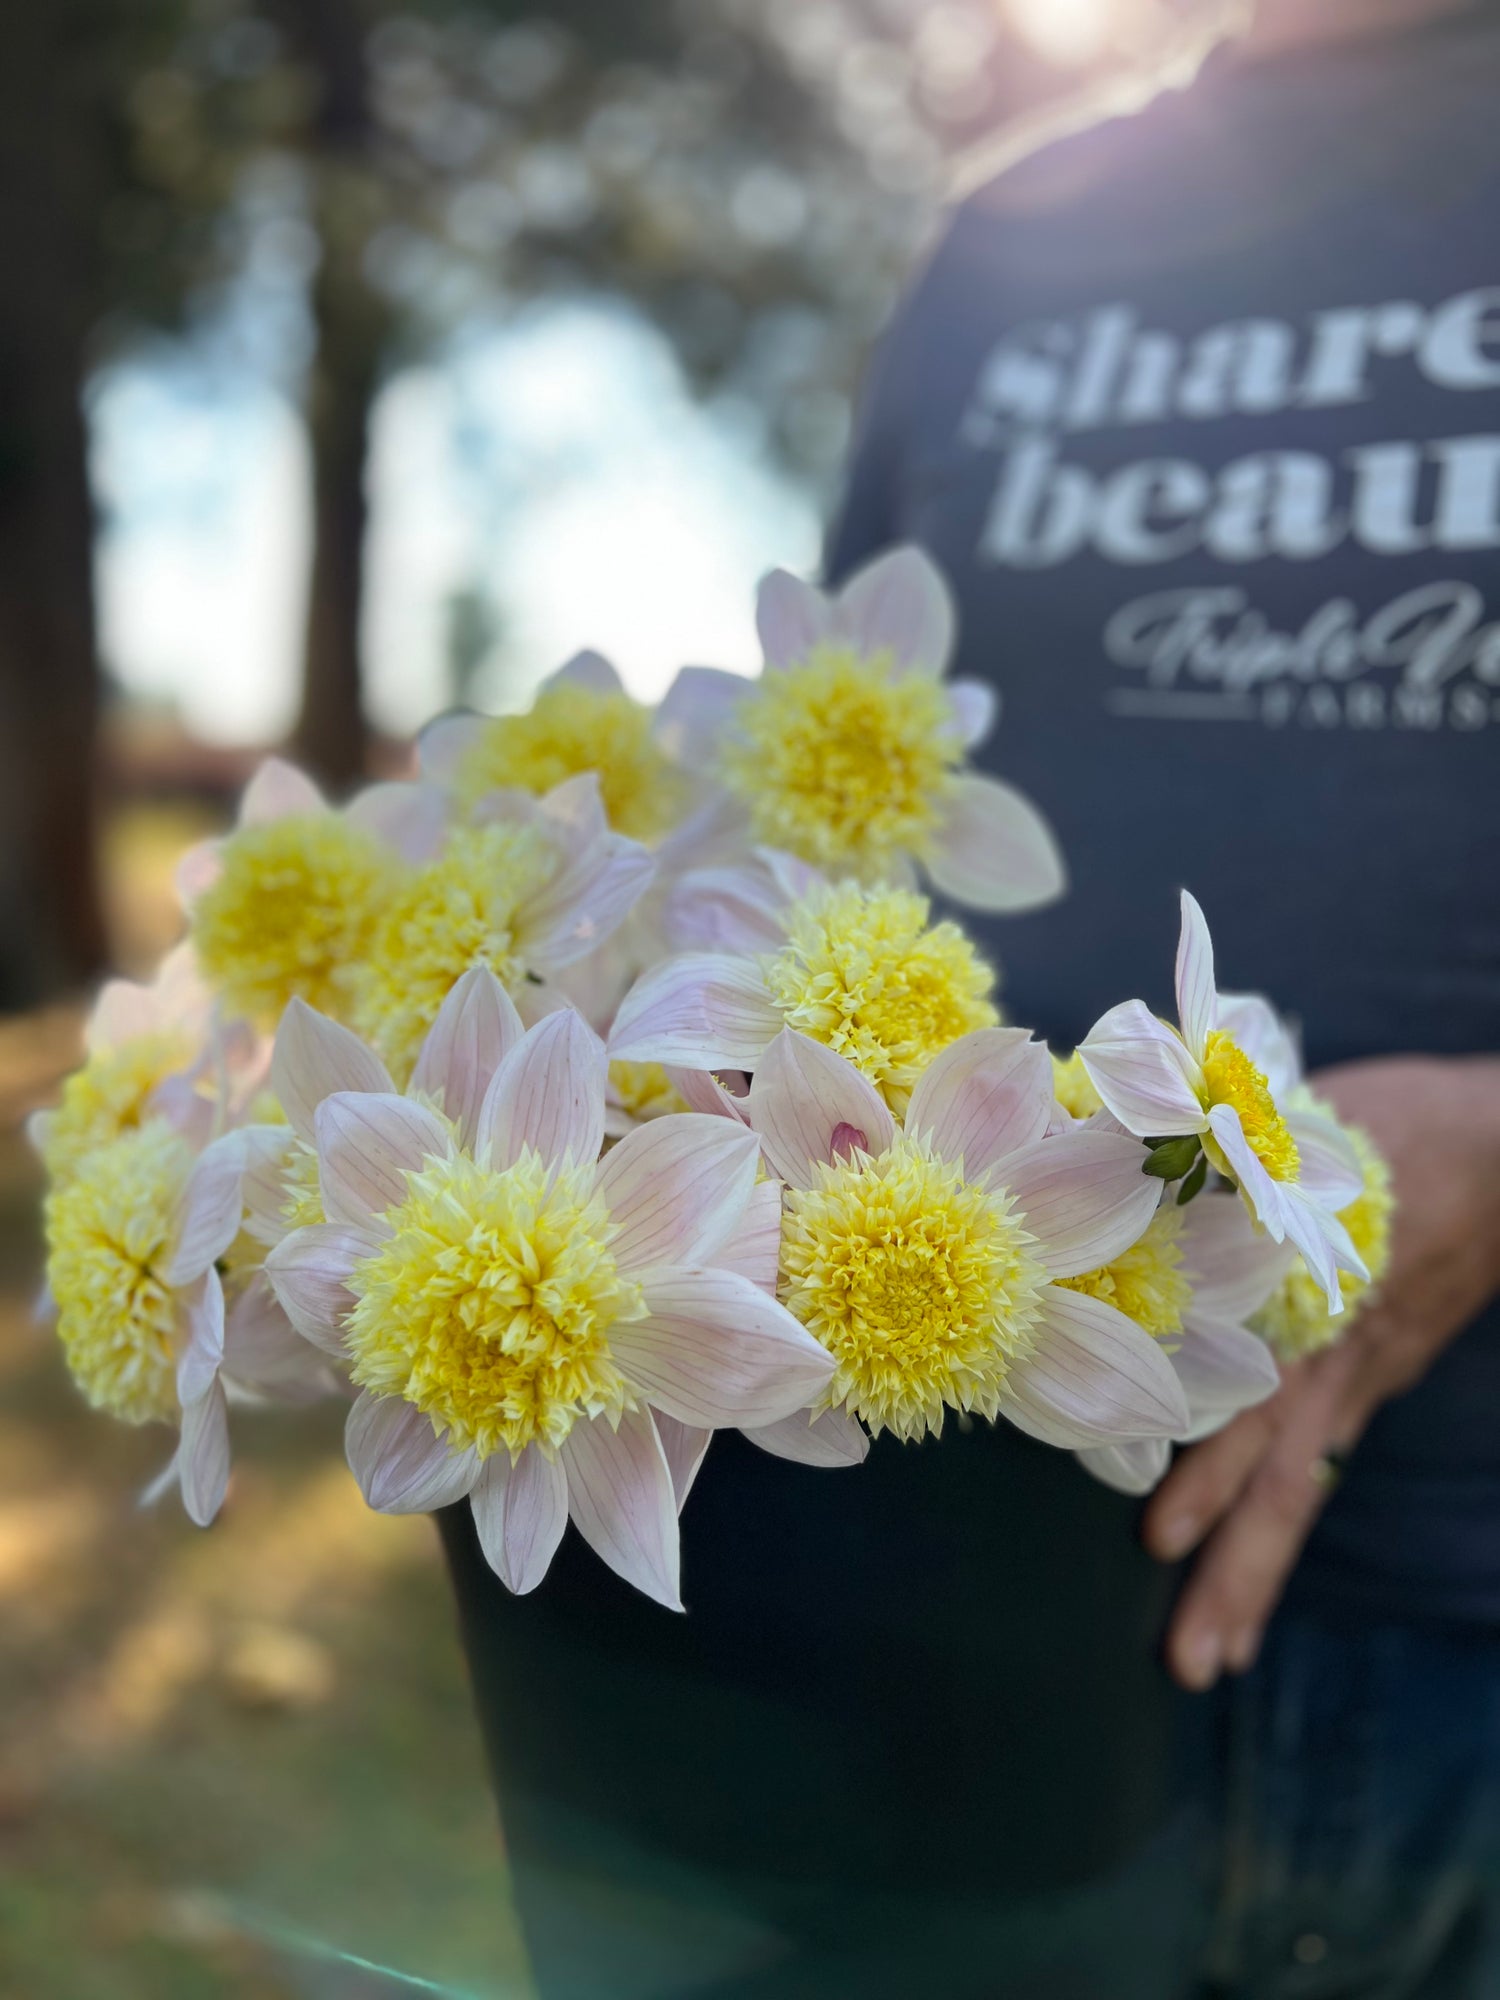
pixel 1352 1805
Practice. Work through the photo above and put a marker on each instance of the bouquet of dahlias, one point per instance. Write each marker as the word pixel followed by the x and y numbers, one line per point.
pixel 611 1082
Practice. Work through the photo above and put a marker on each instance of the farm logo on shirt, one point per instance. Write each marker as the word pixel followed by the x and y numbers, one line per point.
pixel 1424 656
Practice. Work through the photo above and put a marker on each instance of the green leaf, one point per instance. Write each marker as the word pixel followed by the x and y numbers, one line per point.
pixel 1193 1184
pixel 1172 1158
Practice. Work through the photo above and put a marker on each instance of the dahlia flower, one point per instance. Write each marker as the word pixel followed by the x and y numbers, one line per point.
pixel 1294 1168
pixel 927 1259
pixel 531 1327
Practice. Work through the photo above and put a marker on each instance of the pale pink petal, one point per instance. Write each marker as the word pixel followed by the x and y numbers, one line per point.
pixel 830 1440
pixel 402 1467
pixel 407 816
pixel 476 1029
pixel 1082 1194
pixel 1267 1197
pixel 265 1151
pixel 208 1219
pixel 703 1091
pixel 695 711
pixel 203 1350
pixel 676 1189
pixel 753 1247
pixel 264 1352
pixel 800 1095
pixel 547 1095
pixel 1223 1368
pixel 900 604
pixel 1197 996
pixel 735 909
pixel 1328 1168
pixel 198 870
pixel 1143 1072
pixel 203 1454
pixel 368 1143
pixel 585 903
pixel 994 850
pixel 1326 1245
pixel 791 618
pixel 976 706
pixel 520 1512
pixel 716 1351
pixel 1254 1025
pixel 191 1115
pixel 701 1011
pixel 1135 1468
pixel 622 1501
pixel 685 1448
pixel 1093 1377
pixel 444 744
pixel 309 1273
pixel 985 1095
pixel 277 791
pixel 313 1058
pixel 588 670
pixel 574 810
pixel 1233 1266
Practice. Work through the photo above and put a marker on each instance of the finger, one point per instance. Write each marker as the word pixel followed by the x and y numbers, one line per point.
pixel 1239 1577
pixel 1207 1479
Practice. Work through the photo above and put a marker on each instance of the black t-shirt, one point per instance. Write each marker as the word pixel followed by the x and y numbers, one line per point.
pixel 1200 414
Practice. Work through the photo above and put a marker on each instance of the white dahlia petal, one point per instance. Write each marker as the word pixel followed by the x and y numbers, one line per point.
pixel 830 1440
pixel 677 1188
pixel 995 851
pixel 367 1144
pixel 476 1028
pixel 309 1272
pixel 753 1247
pixel 1093 1377
pixel 622 1501
pixel 276 791
pixel 408 816
pixel 402 1467
pixel 520 1512
pixel 899 604
pixel 1083 1195
pixel 211 1211
pixel 1328 1168
pixel 975 708
pixel 587 669
pixel 586 903
pixel 810 1106
pixel 685 1447
pixel 1233 1266
pixel 203 1454
pixel 1143 1072
pixel 203 1352
pixel 985 1095
pixel 1197 996
pixel 547 1095
pixel 313 1057
pixel 791 618
pixel 1135 1468
pixel 695 711
pixel 1254 1026
pixel 445 742
pixel 715 1351
pixel 704 1010
pixel 1223 1368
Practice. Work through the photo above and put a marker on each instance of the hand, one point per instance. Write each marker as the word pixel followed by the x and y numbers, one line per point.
pixel 1253 1491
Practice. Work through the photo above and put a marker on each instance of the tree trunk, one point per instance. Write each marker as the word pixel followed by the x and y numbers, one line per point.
pixel 52 932
pixel 352 327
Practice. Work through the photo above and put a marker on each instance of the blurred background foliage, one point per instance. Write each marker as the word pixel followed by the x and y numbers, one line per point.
pixel 220 1749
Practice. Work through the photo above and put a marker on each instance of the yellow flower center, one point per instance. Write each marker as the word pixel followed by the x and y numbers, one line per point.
pixel 292 909
pixel 108 1096
pixel 862 973
pixel 1231 1078
pixel 644 1091
pixel 1073 1087
pixel 922 1285
pixel 567 731
pixel 461 909
pixel 844 761
pixel 490 1305
pixel 1295 1319
pixel 109 1234
pixel 1145 1283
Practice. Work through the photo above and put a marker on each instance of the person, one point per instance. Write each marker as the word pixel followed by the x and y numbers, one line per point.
pixel 1199 411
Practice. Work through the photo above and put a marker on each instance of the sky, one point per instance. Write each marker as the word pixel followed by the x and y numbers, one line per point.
pixel 558 465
